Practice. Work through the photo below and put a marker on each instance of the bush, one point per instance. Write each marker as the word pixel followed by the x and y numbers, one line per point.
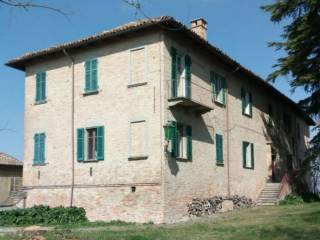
pixel 43 215
pixel 309 197
pixel 291 200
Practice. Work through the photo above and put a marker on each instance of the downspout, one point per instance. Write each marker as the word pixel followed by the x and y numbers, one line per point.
pixel 228 135
pixel 72 124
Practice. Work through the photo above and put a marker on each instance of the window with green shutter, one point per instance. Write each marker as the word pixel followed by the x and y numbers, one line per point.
pixel 189 142
pixel 91 75
pixel 219 149
pixel 90 144
pixel 246 99
pixel 187 76
pixel 180 74
pixel 181 143
pixel 218 88
pixel 39 149
pixel 174 72
pixel 248 155
pixel 40 87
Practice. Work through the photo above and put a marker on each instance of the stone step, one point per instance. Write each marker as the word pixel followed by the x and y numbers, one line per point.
pixel 267 204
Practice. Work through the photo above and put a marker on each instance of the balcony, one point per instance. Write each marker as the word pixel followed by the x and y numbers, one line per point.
pixel 189 105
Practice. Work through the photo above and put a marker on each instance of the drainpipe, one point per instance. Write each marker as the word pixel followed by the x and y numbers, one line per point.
pixel 228 134
pixel 72 125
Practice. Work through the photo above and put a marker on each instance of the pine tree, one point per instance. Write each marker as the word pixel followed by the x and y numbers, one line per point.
pixel 301 63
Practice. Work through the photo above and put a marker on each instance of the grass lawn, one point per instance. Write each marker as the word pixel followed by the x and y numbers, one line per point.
pixel 279 222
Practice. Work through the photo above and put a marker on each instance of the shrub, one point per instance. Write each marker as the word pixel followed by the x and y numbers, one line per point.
pixel 43 215
pixel 291 200
pixel 309 197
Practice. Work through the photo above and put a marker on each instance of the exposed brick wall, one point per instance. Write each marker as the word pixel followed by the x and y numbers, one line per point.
pixel 164 185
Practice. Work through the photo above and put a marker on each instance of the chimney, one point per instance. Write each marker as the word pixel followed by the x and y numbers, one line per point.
pixel 199 26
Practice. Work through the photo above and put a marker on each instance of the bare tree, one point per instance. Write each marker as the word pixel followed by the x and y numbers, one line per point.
pixel 29 4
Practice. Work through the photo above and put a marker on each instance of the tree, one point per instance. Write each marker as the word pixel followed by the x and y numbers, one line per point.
pixel 301 63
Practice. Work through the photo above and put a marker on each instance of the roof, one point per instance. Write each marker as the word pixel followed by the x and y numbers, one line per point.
pixel 166 23
pixel 6 159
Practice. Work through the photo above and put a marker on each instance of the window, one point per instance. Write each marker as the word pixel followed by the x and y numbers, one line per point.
pixel 90 144
pixel 41 87
pixel 138 140
pixel 246 98
pixel 287 123
pixel 219 149
pixel 137 66
pixel 181 144
pixel 219 87
pixel 39 148
pixel 248 155
pixel 91 76
pixel 180 74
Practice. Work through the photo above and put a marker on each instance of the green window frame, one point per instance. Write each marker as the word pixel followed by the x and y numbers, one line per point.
pixel 218 88
pixel 39 148
pixel 41 87
pixel 180 71
pixel 82 144
pixel 248 155
pixel 219 149
pixel 91 76
pixel 246 99
pixel 181 142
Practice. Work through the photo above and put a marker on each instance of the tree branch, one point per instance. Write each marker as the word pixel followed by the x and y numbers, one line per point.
pixel 26 5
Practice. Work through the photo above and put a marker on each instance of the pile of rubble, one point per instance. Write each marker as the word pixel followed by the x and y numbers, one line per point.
pixel 201 207
pixel 241 202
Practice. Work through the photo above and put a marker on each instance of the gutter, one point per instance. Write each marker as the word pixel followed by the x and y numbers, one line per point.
pixel 72 124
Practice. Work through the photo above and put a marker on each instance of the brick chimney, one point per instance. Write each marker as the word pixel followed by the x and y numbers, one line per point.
pixel 199 26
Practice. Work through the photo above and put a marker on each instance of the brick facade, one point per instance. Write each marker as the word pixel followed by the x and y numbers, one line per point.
pixel 157 187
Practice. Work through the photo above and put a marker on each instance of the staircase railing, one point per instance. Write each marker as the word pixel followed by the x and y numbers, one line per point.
pixel 285 186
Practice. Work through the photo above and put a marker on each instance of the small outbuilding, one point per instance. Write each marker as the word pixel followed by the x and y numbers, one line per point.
pixel 10 176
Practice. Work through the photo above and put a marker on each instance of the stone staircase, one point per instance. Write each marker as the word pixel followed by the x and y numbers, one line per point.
pixel 269 196
pixel 14 198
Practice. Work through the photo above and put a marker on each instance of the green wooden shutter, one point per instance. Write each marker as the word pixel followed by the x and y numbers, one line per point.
pixel 250 103
pixel 189 142
pixel 38 87
pixel 213 84
pixel 252 155
pixel 224 90
pixel 43 86
pixel 36 148
pixel 94 74
pixel 188 75
pixel 243 100
pixel 42 147
pixel 219 149
pixel 174 90
pixel 174 143
pixel 244 153
pixel 100 143
pixel 80 144
pixel 87 76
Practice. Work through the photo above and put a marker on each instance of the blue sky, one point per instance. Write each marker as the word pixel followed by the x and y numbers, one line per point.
pixel 239 28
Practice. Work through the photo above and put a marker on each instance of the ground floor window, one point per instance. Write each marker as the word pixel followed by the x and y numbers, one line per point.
pixel 90 144
pixel 219 149
pixel 181 144
pixel 248 155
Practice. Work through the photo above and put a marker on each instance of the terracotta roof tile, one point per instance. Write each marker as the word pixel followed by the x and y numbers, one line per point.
pixel 6 159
